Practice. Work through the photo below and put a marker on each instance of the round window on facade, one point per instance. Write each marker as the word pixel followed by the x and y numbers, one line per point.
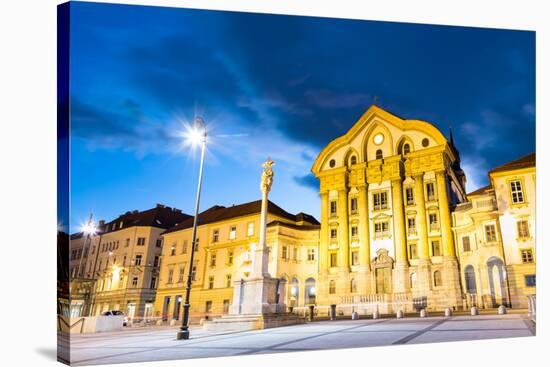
pixel 425 142
pixel 332 163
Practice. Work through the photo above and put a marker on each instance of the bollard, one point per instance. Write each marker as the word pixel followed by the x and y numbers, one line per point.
pixel 502 310
pixel 474 311
pixel 399 314
pixel 448 312
pixel 354 315
pixel 423 313
pixel 376 315
pixel 332 312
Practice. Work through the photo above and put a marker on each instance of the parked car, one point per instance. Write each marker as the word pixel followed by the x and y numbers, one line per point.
pixel 117 313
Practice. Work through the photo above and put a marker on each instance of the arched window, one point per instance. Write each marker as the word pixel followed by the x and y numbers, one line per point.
pixel 294 292
pixel 437 278
pixel 379 154
pixel 406 148
pixel 311 291
pixel 353 160
pixel 470 279
pixel 352 285
pixel 332 287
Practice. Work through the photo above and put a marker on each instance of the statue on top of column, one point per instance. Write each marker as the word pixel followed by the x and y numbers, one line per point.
pixel 267 175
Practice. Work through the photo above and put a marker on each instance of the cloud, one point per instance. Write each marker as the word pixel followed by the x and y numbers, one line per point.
pixel 309 181
pixel 329 99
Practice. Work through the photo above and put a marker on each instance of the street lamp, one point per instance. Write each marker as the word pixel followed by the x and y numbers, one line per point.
pixel 89 230
pixel 195 136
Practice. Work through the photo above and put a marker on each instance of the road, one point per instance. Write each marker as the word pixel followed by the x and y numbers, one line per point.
pixel 147 344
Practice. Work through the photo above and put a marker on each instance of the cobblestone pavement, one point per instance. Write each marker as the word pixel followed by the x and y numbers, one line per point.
pixel 138 345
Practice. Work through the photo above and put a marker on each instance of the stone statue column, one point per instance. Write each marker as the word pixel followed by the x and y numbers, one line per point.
pixel 261 252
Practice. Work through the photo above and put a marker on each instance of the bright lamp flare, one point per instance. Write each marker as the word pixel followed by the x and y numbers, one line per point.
pixel 89 229
pixel 195 135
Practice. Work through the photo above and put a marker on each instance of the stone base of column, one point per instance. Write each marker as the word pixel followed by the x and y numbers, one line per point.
pixel 255 296
pixel 449 295
pixel 423 285
pixel 401 281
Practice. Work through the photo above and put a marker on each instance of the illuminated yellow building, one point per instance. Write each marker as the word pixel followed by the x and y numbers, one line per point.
pixel 398 232
pixel 226 237
pixel 495 235
pixel 126 260
pixel 387 187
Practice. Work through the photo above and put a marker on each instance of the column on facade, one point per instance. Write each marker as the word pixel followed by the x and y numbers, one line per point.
pixel 364 232
pixel 323 243
pixel 445 214
pixel 399 222
pixel 343 226
pixel 422 227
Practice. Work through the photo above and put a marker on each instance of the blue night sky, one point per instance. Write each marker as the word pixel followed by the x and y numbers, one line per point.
pixel 278 86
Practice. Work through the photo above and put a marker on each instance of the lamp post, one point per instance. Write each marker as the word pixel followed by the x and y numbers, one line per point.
pixel 195 136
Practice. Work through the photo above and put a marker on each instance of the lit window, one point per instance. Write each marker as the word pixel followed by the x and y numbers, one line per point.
pixel 232 232
pixel 430 190
pixel 381 229
pixel 412 225
pixel 434 224
pixel 250 231
pixel 466 243
pixel 410 195
pixel 523 229
pixel 517 192
pixel 332 287
pixel 181 275
pixel 333 208
pixel 215 235
pixel 436 248
pixel 212 259
pixel 353 205
pixel 490 233
pixel 173 250
pixel 380 200
pixel 333 259
pixel 413 253
pixel 526 256
pixel 355 258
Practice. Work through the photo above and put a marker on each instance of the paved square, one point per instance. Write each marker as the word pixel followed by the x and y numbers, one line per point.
pixel 152 344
